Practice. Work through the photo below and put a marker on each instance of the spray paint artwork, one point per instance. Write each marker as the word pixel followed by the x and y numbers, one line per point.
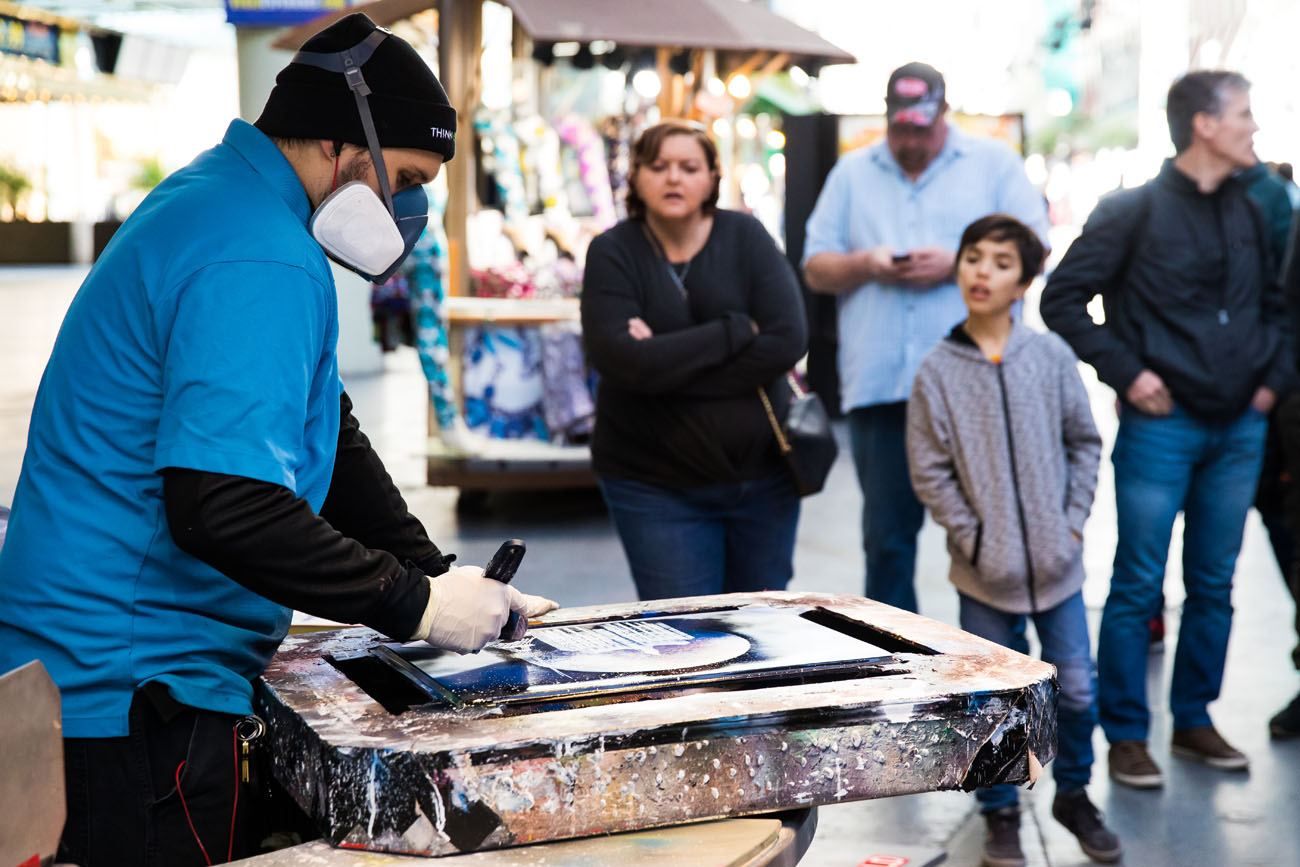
pixel 566 661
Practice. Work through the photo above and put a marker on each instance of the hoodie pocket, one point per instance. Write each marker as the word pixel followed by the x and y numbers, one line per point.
pixel 975 549
pixel 1055 557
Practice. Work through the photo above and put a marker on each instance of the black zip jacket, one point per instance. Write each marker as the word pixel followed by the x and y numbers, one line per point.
pixel 361 560
pixel 1188 291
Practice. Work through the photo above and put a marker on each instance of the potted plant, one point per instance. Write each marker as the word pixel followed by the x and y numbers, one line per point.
pixel 13 184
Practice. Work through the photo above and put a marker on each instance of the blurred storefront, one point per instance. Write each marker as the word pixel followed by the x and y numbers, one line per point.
pixel 90 119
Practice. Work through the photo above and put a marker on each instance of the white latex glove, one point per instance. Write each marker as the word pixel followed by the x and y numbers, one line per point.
pixel 533 606
pixel 467 610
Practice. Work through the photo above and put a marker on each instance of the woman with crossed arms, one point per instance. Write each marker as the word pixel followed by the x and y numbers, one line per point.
pixel 687 311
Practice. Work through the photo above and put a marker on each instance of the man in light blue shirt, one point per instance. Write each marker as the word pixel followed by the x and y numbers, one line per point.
pixel 883 239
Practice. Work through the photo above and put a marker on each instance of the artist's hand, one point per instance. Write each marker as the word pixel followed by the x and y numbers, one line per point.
pixel 1264 400
pixel 638 329
pixel 926 267
pixel 1148 394
pixel 466 610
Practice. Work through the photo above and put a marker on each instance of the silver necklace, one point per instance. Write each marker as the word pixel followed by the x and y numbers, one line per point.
pixel 679 279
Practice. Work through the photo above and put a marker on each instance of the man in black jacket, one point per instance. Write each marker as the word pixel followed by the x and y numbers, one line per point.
pixel 1196 343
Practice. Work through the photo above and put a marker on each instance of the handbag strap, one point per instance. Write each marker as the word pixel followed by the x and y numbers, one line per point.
pixel 781 441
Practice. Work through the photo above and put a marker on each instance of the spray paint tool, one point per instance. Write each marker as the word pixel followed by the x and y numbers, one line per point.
pixel 502 567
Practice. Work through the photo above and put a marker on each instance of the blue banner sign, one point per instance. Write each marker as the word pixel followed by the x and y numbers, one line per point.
pixel 280 13
pixel 29 38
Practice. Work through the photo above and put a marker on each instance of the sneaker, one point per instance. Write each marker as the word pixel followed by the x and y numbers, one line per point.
pixel 1002 840
pixel 1083 820
pixel 1132 765
pixel 1204 744
pixel 1286 722
pixel 1156 628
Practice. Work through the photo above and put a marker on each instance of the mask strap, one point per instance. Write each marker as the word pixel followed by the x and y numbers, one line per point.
pixel 349 63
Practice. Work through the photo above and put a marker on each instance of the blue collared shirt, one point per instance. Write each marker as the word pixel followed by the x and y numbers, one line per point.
pixel 868 202
pixel 204 338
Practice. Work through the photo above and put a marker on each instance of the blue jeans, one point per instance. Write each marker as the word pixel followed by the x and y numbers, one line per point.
pixel 1208 471
pixel 1063 633
pixel 725 538
pixel 891 513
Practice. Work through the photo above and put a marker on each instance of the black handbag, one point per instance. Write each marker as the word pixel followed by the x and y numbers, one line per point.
pixel 805 438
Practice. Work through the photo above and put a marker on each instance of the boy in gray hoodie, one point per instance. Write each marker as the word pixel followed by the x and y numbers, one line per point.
pixel 1003 451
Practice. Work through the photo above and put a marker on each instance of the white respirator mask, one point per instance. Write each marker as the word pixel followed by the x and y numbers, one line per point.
pixel 356 230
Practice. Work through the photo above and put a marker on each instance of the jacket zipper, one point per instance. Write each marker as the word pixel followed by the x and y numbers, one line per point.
pixel 1015 484
pixel 1226 247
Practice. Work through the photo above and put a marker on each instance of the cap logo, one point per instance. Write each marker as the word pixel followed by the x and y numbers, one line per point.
pixel 439 132
pixel 911 88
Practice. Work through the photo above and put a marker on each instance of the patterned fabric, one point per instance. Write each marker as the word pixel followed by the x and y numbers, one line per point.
pixel 425 269
pixel 502 382
pixel 593 167
pixel 567 403
pixel 390 311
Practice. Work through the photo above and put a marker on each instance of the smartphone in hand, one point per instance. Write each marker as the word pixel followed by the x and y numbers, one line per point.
pixel 899 258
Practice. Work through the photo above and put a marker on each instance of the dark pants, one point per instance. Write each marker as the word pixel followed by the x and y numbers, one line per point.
pixel 725 538
pixel 891 513
pixel 1287 423
pixel 1063 634
pixel 163 795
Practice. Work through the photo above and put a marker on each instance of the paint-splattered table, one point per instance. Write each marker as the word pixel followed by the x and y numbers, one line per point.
pixel 779 840
pixel 942 709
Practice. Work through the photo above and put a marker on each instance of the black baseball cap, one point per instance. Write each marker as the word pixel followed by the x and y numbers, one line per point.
pixel 914 95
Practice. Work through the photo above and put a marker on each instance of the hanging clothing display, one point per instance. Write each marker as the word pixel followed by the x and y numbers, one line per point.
pixel 578 133
pixel 617 134
pixel 502 382
pixel 426 270
pixel 567 403
pixel 502 161
pixel 390 311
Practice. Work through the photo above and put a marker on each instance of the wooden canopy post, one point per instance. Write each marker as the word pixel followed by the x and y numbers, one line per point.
pixel 665 74
pixel 460 38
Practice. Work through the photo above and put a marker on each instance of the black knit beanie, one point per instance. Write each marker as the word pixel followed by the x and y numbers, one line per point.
pixel 409 106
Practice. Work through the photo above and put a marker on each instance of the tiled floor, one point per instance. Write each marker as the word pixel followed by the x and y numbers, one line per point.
pixel 1201 819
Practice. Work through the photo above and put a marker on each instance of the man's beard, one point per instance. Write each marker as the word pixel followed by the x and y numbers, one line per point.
pixel 357 170
pixel 912 159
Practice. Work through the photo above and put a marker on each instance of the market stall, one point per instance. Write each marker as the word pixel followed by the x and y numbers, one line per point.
pixel 558 90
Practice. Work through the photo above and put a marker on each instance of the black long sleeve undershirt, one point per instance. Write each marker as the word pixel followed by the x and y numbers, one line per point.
pixel 361 560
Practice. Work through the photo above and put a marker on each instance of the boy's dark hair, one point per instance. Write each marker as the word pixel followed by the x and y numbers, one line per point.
pixel 1003 227
pixel 1199 92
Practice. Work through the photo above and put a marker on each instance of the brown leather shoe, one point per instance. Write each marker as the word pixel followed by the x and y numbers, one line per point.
pixel 1002 839
pixel 1204 744
pixel 1132 765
